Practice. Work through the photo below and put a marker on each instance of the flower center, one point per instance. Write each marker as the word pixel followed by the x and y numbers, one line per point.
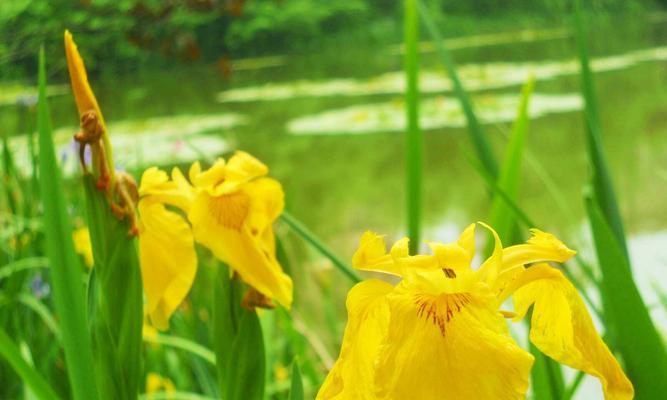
pixel 230 210
pixel 440 309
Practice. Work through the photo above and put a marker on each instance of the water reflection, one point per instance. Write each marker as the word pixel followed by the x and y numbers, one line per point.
pixel 437 112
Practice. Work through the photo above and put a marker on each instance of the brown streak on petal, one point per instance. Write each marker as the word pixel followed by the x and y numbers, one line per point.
pixel 441 309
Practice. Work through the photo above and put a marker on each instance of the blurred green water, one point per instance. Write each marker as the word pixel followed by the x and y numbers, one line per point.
pixel 340 185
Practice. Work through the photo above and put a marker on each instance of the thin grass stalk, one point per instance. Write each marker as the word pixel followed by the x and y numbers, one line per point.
pixel 182 344
pixel 475 129
pixel 66 277
pixel 296 386
pixel 314 241
pixel 28 374
pixel 601 179
pixel 413 138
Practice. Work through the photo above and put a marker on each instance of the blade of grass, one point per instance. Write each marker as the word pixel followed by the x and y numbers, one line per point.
pixel 12 354
pixel 475 130
pixel 68 291
pixel 182 344
pixel 574 386
pixel 602 182
pixel 637 338
pixel 413 136
pixel 510 172
pixel 296 388
pixel 311 239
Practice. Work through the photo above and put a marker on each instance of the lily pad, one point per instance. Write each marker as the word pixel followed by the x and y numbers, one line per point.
pixel 476 77
pixel 437 112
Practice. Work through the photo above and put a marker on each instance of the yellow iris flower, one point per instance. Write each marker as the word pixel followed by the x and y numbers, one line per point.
pixel 83 246
pixel 156 383
pixel 440 334
pixel 230 209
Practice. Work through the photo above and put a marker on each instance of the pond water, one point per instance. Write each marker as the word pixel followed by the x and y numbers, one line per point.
pixel 328 125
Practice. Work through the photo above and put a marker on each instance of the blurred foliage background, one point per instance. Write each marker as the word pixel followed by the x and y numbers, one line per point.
pixel 125 34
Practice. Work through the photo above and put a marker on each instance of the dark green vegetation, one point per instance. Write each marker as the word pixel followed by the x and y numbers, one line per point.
pixel 123 35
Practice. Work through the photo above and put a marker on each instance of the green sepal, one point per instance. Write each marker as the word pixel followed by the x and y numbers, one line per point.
pixel 115 299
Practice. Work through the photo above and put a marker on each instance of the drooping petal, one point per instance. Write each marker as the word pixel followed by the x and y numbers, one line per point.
pixel 457 255
pixel 448 346
pixel 176 192
pixel 562 328
pixel 352 376
pixel 168 260
pixel 219 223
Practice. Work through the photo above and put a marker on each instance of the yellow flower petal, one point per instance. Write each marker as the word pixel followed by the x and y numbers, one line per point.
pixel 225 178
pixel 83 94
pixel 490 268
pixel 562 328
pixel 83 246
pixel 352 376
pixel 448 346
pixel 156 383
pixel 268 202
pixel 541 246
pixel 176 192
pixel 371 255
pixel 168 260
pixel 220 224
pixel 458 255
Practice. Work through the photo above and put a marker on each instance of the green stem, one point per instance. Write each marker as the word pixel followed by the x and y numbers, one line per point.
pixel 309 237
pixel 413 139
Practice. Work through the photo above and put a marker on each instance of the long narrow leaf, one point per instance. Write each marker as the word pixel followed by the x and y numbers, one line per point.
pixel 413 135
pixel 510 173
pixel 182 344
pixel 11 353
pixel 602 183
pixel 477 134
pixel 309 237
pixel 296 388
pixel 637 338
pixel 68 291
pixel 245 375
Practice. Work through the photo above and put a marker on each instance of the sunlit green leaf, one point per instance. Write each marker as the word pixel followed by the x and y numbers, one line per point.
pixel 637 338
pixel 68 290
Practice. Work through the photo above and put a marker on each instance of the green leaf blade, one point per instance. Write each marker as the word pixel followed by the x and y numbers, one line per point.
pixel 68 291
pixel 296 387
pixel 245 373
pixel 637 338
pixel 31 378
